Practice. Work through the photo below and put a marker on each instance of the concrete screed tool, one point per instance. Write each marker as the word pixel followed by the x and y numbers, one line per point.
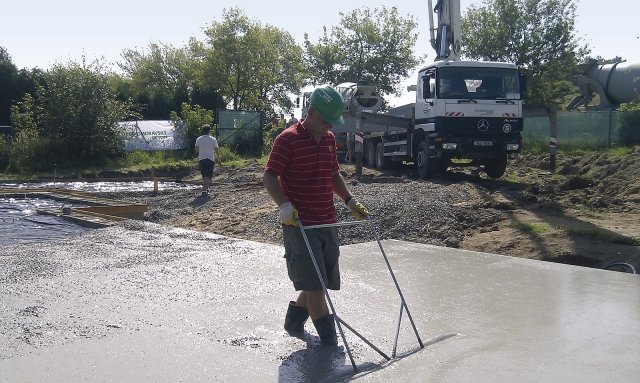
pixel 339 321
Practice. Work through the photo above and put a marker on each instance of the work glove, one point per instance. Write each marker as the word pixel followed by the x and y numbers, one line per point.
pixel 358 211
pixel 288 214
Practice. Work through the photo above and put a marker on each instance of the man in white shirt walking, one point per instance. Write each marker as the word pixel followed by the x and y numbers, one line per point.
pixel 207 149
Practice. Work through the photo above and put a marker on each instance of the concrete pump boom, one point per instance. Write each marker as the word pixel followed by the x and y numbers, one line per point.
pixel 445 38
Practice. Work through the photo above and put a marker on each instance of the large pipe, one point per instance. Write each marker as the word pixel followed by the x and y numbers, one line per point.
pixel 620 81
pixel 614 83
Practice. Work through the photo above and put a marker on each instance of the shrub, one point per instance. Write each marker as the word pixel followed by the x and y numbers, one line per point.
pixel 5 153
pixel 629 125
pixel 227 155
pixel 28 152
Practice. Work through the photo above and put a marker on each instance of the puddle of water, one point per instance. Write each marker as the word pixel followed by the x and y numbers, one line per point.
pixel 101 186
pixel 20 223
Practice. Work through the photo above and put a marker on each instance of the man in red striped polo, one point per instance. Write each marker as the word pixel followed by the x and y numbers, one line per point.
pixel 301 176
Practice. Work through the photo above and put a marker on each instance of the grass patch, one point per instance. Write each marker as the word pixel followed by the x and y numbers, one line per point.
pixel 587 232
pixel 620 151
pixel 531 228
pixel 511 178
pixel 240 161
pixel 602 235
pixel 589 212
pixel 140 160
pixel 535 146
pixel 543 147
pixel 136 161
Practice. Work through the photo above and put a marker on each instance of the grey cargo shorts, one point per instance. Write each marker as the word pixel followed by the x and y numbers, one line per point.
pixel 326 250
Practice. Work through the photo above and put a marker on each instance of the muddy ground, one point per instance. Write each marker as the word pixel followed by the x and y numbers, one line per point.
pixel 585 213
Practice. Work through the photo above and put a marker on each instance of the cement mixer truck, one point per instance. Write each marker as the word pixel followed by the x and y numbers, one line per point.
pixel 470 111
pixel 465 110
pixel 614 84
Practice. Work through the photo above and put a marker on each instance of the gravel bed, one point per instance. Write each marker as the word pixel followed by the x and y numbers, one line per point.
pixel 402 208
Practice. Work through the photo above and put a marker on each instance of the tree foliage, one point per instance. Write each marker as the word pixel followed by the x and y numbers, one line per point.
pixel 8 79
pixel 73 117
pixel 161 78
pixel 537 35
pixel 253 66
pixel 14 84
pixel 601 60
pixel 368 45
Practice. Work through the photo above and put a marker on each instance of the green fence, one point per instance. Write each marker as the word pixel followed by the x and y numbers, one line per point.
pixel 241 130
pixel 576 130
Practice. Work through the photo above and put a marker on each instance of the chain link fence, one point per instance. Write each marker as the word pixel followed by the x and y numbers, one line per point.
pixel 241 131
pixel 576 130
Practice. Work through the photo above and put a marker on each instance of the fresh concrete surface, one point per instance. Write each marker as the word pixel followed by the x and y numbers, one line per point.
pixel 140 302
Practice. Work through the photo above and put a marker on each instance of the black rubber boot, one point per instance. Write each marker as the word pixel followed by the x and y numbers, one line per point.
pixel 294 321
pixel 326 327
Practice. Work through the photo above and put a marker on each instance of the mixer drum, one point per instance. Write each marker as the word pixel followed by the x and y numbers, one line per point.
pixel 620 81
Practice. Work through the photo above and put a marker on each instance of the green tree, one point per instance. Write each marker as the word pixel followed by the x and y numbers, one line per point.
pixel 369 45
pixel 253 66
pixel 72 118
pixel 537 35
pixel 601 60
pixel 14 84
pixel 161 78
pixel 8 80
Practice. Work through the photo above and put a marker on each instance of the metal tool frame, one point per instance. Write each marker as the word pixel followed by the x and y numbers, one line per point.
pixel 339 321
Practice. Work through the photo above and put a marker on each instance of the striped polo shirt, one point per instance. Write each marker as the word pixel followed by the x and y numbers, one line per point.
pixel 306 169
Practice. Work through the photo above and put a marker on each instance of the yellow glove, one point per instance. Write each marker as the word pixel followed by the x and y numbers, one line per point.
pixel 288 214
pixel 358 211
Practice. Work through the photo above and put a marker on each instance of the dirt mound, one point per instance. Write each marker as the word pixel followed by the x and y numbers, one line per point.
pixel 593 181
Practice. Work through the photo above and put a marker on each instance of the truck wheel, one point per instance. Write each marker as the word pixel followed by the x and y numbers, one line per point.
pixel 382 162
pixel 370 154
pixel 423 162
pixel 495 167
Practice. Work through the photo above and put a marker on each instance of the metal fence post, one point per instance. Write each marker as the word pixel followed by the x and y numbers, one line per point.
pixel 553 138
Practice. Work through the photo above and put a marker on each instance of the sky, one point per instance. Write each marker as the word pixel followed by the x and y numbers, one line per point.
pixel 40 33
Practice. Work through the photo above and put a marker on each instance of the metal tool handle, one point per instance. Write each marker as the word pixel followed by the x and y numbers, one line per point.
pixel 337 224
pixel 339 321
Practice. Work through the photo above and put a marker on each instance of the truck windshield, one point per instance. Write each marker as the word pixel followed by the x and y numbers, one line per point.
pixel 478 83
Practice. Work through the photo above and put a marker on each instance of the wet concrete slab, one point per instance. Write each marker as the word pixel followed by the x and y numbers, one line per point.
pixel 142 302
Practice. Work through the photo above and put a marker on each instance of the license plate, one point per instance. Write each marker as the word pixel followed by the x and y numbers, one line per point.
pixel 483 143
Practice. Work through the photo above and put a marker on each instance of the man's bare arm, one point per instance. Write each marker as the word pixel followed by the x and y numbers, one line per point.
pixel 340 186
pixel 271 183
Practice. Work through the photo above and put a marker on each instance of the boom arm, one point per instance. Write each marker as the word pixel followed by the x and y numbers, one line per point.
pixel 446 42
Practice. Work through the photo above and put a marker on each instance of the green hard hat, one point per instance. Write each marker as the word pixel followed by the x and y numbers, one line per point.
pixel 328 102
